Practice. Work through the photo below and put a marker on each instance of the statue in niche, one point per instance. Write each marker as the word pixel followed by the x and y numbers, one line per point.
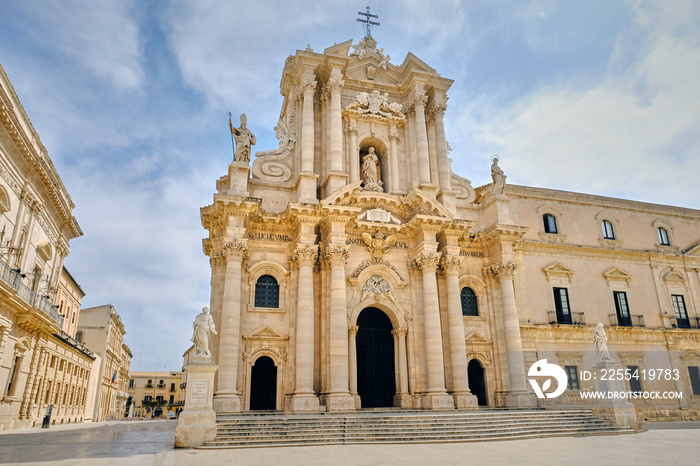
pixel 244 139
pixel 203 325
pixel 369 171
pixel 499 178
pixel 600 339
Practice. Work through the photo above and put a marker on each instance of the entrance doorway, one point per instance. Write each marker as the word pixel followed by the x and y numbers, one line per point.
pixel 376 380
pixel 477 382
pixel 263 384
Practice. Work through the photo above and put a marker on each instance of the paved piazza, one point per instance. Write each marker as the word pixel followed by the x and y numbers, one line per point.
pixel 151 443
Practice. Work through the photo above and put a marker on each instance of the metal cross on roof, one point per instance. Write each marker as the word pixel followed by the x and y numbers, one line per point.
pixel 367 23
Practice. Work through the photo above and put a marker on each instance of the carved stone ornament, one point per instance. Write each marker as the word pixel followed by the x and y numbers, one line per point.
pixel 376 103
pixel 378 215
pixel 276 164
pixel 451 264
pixel 236 250
pixel 337 255
pixel 305 254
pixel 377 284
pixel 502 269
pixel 427 260
pixel 373 261
pixel 379 243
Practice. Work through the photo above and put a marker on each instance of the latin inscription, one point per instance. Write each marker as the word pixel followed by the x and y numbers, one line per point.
pixel 269 237
pixel 472 253
pixel 361 242
pixel 200 389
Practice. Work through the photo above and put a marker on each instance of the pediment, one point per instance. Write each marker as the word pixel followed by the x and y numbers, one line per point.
pixel 476 338
pixel 402 208
pixel 693 251
pixel 558 270
pixel 339 49
pixel 617 274
pixel 265 333
pixel 412 63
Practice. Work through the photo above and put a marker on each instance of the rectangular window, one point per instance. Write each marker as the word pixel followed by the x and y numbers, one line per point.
pixel 679 309
pixel 561 303
pixel 147 399
pixel 694 373
pixel 571 377
pixel 172 387
pixel 635 381
pixel 607 227
pixel 622 309
pixel 159 398
pixel 13 375
pixel 172 399
pixel 131 383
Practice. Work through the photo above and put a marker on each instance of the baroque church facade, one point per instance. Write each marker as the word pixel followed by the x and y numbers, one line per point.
pixel 351 268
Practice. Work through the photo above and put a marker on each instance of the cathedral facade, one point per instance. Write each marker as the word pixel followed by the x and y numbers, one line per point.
pixel 351 268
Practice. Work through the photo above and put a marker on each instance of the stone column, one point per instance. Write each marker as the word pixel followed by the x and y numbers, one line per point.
pixel 228 398
pixel 339 398
pixel 518 395
pixel 334 86
pixel 422 140
pixel 458 350
pixel 306 188
pixel 394 160
pixel 441 145
pixel 436 396
pixel 403 398
pixel 352 364
pixel 304 398
pixel 354 152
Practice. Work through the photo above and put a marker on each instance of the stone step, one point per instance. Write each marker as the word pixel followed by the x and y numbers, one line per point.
pixel 281 429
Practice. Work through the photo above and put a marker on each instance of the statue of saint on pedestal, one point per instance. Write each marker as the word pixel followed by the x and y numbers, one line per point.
pixel 600 339
pixel 499 178
pixel 203 326
pixel 244 139
pixel 369 171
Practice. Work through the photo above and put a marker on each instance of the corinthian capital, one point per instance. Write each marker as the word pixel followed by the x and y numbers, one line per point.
pixel 308 86
pixel 451 264
pixel 336 255
pixel 334 84
pixel 235 250
pixel 305 254
pixel 419 101
pixel 427 260
pixel 503 269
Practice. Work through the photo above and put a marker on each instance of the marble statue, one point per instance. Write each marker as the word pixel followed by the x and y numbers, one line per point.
pixel 203 326
pixel 360 49
pixel 244 139
pixel 600 339
pixel 369 171
pixel 499 178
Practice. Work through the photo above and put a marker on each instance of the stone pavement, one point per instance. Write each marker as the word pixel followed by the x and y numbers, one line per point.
pixel 151 443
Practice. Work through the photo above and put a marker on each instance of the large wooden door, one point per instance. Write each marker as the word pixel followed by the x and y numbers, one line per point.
pixel 376 382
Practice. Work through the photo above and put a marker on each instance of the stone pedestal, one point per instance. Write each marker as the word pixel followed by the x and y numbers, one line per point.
pixel 302 404
pixel 340 403
pixel 465 401
pixel 449 200
pixel 520 399
pixel 619 410
pixel 197 422
pixel 306 188
pixel 334 182
pixel 438 402
pixel 403 400
pixel 238 175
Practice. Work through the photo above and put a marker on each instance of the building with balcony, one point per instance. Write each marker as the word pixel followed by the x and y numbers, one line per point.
pixel 42 366
pixel 149 390
pixel 351 268
pixel 101 330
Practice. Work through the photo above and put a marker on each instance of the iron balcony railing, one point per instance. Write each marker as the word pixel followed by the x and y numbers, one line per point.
pixel 572 318
pixel 689 322
pixel 633 320
pixel 13 278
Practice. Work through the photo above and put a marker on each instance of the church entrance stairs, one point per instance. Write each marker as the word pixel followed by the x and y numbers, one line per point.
pixel 387 426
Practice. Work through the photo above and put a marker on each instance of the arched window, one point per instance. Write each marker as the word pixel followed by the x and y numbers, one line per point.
pixel 469 302
pixel 550 223
pixel 608 232
pixel 267 292
pixel 663 237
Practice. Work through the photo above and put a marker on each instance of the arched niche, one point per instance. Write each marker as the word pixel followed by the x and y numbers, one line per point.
pixel 381 150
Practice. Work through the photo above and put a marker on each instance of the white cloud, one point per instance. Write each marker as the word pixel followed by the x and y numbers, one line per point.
pixel 615 137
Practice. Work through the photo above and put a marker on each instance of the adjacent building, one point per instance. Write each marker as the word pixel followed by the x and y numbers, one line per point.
pixel 351 268
pixel 150 390
pixel 42 367
pixel 101 329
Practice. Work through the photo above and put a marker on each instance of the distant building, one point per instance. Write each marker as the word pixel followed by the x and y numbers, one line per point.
pixel 41 364
pixel 101 330
pixel 149 390
pixel 70 294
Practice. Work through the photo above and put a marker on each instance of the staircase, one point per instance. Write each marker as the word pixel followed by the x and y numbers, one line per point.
pixel 278 430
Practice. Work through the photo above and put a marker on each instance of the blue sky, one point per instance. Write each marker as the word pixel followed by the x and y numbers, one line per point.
pixel 131 99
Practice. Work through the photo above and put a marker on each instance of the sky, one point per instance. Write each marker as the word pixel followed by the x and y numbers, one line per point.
pixel 131 100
